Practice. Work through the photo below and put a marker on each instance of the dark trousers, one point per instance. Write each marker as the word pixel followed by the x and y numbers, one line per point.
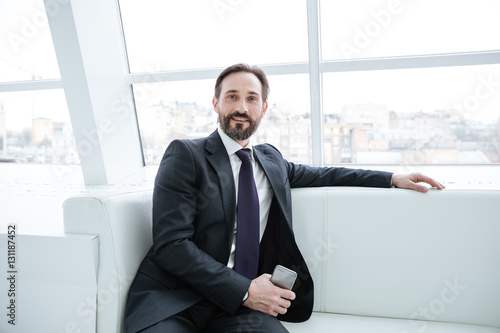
pixel 207 318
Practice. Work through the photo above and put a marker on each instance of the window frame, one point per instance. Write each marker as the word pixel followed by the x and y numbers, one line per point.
pixel 72 21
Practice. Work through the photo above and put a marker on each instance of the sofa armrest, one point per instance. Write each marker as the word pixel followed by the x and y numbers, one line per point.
pixel 123 225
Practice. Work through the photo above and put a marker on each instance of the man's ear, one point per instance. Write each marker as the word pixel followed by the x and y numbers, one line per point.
pixel 215 103
pixel 264 108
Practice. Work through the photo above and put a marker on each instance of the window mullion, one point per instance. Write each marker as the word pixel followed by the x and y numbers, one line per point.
pixel 417 61
pixel 315 81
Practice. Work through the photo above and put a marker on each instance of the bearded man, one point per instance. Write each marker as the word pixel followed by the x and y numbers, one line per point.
pixel 222 221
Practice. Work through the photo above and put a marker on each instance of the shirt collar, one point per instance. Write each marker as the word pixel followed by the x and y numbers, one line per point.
pixel 232 146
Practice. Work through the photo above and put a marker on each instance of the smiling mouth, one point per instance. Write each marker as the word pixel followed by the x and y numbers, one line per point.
pixel 239 119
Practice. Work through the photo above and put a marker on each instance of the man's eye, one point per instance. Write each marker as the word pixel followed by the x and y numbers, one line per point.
pixel 231 96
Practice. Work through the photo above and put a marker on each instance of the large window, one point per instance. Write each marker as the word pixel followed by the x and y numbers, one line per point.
pixel 366 82
pixel 34 119
pixel 403 84
pixel 443 115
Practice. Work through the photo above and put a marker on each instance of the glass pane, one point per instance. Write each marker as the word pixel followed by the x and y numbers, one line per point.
pixel 445 115
pixel 379 28
pixel 287 124
pixel 166 35
pixel 35 128
pixel 174 110
pixel 26 43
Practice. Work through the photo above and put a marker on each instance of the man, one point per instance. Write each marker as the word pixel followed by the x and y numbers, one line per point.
pixel 193 278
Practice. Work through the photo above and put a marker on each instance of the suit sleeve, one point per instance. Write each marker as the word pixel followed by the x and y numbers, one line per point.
pixel 308 176
pixel 174 218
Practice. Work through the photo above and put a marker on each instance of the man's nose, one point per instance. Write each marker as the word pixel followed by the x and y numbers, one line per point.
pixel 242 106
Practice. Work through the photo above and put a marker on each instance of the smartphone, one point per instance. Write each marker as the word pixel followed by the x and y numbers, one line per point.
pixel 283 277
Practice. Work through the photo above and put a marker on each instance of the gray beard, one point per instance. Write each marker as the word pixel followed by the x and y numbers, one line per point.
pixel 238 133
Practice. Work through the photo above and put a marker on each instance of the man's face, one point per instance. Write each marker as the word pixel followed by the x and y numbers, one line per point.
pixel 240 106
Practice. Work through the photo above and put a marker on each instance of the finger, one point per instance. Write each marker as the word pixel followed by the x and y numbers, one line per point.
pixel 412 184
pixel 287 294
pixel 420 188
pixel 276 312
pixel 266 276
pixel 280 309
pixel 285 303
pixel 437 184
pixel 430 181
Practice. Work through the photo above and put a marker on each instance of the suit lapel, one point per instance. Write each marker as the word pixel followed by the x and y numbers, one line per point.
pixel 274 176
pixel 217 157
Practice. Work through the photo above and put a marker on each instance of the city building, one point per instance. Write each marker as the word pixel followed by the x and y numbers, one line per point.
pixel 42 131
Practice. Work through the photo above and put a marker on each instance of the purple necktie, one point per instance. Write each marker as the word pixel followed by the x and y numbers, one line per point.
pixel 246 259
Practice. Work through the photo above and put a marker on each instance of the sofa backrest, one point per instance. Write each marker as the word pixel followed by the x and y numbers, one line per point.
pixel 402 254
pixel 376 252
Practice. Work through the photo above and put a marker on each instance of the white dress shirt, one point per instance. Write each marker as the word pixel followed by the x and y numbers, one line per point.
pixel 264 189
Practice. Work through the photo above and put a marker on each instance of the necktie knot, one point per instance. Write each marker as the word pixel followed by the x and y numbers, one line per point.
pixel 243 154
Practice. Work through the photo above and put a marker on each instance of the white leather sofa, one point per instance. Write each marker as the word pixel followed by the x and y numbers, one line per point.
pixel 383 260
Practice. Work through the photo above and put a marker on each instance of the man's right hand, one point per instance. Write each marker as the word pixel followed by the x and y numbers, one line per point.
pixel 265 297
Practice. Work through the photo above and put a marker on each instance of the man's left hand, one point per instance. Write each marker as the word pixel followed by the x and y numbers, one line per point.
pixel 412 180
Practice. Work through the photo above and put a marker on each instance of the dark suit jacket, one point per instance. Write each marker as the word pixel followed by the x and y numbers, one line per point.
pixel 194 209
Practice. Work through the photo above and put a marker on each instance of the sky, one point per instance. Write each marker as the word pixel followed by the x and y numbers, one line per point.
pixel 171 35
pixel 26 52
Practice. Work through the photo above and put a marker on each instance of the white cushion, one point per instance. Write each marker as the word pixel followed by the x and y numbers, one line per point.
pixel 337 323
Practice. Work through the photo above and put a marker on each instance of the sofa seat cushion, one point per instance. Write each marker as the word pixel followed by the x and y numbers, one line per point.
pixel 337 323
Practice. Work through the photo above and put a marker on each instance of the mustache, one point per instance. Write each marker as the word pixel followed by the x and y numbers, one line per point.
pixel 240 115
